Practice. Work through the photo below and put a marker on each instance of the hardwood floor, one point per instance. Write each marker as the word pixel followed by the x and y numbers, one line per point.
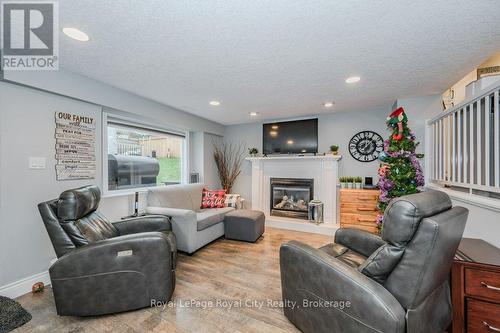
pixel 225 272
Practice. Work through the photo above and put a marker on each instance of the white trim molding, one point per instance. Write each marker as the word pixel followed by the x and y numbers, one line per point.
pixel 23 286
pixel 472 199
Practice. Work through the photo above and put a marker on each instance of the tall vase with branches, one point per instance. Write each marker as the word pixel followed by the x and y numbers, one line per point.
pixel 228 158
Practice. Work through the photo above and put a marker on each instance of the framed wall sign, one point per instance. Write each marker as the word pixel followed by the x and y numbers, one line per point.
pixel 75 146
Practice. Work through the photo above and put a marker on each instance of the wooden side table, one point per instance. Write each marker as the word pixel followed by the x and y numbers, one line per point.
pixel 475 287
pixel 358 209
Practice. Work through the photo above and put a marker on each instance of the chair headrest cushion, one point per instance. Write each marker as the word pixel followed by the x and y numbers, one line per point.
pixel 77 203
pixel 403 215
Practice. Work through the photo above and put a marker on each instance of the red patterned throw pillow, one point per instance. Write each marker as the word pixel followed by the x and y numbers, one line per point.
pixel 213 198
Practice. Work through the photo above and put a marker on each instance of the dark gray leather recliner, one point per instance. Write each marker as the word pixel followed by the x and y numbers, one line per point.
pixel 105 267
pixel 394 283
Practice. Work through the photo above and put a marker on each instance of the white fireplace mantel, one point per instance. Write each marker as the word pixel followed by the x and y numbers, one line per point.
pixel 323 169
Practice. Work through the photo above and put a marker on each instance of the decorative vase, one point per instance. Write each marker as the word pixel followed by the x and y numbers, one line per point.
pixel 343 185
pixel 350 185
pixel 358 186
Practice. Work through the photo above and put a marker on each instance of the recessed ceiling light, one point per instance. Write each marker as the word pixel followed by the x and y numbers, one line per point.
pixel 352 79
pixel 253 114
pixel 275 127
pixel 76 34
pixel 214 103
pixel 328 104
pixel 290 142
pixel 273 133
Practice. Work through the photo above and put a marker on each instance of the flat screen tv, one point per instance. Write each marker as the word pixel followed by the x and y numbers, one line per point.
pixel 291 137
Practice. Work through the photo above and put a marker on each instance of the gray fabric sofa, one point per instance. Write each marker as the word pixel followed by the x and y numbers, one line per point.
pixel 192 226
pixel 395 283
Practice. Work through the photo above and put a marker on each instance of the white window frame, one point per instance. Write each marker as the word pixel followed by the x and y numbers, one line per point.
pixel 126 121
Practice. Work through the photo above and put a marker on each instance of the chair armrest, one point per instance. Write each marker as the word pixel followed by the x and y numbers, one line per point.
pixel 184 226
pixel 308 274
pixel 358 240
pixel 148 249
pixel 140 224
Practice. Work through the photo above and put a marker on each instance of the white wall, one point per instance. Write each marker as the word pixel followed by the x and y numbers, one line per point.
pixel 336 128
pixel 27 130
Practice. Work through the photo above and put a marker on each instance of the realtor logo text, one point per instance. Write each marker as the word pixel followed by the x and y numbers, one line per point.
pixel 29 35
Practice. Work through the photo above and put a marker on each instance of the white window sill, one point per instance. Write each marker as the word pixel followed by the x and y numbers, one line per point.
pixel 472 199
pixel 127 192
pixel 130 191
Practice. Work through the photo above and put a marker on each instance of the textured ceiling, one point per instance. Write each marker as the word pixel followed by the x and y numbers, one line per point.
pixel 279 58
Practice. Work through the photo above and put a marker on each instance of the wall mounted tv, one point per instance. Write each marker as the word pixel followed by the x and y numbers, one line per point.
pixel 291 137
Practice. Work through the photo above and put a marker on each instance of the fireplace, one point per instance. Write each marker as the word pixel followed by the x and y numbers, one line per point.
pixel 290 196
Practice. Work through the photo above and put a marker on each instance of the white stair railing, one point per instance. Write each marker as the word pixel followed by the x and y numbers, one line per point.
pixel 463 144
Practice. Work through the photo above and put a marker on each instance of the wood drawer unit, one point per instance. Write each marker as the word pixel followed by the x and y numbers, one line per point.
pixel 475 287
pixel 482 316
pixel 358 209
pixel 483 284
pixel 359 196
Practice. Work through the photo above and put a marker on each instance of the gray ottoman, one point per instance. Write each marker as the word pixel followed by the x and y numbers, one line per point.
pixel 244 224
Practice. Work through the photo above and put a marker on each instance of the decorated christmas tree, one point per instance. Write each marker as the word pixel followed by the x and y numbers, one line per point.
pixel 400 172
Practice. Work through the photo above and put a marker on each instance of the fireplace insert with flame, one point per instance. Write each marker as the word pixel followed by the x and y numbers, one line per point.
pixel 290 196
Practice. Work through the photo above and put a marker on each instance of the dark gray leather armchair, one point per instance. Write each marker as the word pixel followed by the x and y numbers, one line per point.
pixel 105 267
pixel 394 283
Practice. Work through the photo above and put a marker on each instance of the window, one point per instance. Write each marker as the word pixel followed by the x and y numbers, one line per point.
pixel 141 157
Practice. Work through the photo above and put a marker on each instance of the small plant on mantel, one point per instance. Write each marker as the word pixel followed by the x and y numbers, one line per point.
pixel 253 151
pixel 334 149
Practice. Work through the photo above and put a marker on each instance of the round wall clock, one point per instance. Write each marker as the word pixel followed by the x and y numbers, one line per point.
pixel 366 146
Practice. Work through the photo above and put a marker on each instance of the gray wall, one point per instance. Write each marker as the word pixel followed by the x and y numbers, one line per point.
pixel 336 128
pixel 27 130
pixel 418 110
pixel 482 223
pixel 81 87
pixel 202 160
pixel 210 174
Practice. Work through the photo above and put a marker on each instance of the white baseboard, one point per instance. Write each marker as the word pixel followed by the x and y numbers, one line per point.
pixel 23 286
pixel 298 225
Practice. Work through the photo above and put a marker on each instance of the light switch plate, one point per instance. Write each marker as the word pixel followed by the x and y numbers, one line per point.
pixel 37 163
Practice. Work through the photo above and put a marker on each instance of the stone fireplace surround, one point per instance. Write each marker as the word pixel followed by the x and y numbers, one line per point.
pixel 324 171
